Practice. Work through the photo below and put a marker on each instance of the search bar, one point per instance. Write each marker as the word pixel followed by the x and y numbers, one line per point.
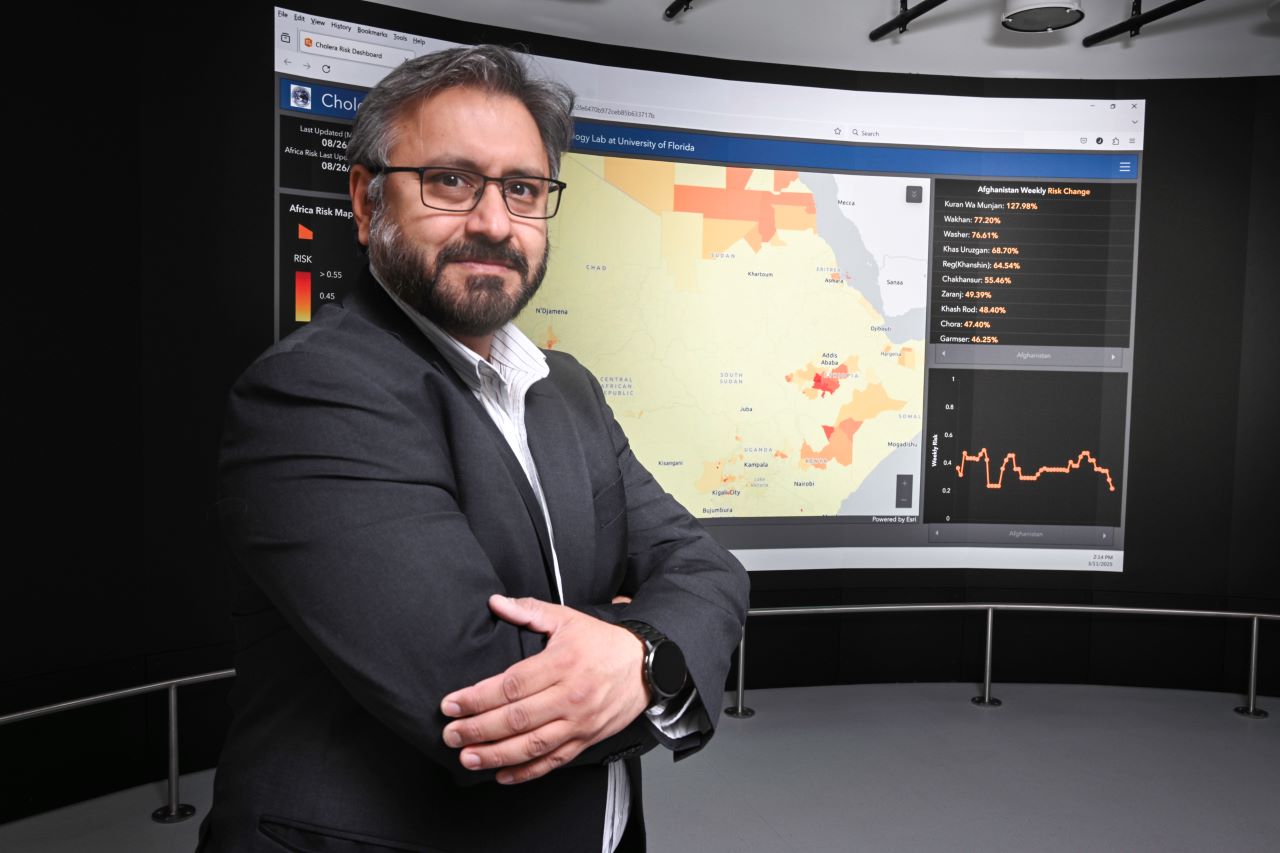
pixel 353 51
pixel 834 130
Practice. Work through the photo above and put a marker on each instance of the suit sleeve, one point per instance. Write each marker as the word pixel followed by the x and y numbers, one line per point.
pixel 682 581
pixel 345 516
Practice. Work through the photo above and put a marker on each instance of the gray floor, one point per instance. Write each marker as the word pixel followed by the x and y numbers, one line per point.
pixel 897 767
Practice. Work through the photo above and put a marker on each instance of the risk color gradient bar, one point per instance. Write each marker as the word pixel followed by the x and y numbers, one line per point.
pixel 302 297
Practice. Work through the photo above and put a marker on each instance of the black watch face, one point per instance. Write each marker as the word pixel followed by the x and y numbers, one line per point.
pixel 668 669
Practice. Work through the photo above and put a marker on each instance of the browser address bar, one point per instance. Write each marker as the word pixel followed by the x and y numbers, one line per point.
pixel 724 122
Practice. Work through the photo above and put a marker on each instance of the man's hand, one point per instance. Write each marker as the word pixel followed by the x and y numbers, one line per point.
pixel 586 685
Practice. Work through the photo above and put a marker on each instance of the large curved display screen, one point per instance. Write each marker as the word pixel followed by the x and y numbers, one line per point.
pixel 845 329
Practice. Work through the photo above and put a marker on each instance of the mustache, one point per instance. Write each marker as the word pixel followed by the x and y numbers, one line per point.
pixel 477 250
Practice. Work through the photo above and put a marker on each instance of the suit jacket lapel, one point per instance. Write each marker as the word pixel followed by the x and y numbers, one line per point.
pixel 566 484
pixel 521 481
pixel 372 302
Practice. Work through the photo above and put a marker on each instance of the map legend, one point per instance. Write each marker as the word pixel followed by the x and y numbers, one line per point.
pixel 319 259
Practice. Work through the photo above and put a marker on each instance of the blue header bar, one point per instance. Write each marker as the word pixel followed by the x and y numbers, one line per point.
pixel 304 96
pixel 663 144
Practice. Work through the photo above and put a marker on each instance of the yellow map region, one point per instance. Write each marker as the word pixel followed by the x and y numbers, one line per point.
pixel 751 378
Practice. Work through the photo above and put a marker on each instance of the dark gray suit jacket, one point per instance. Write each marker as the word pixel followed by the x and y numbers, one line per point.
pixel 370 508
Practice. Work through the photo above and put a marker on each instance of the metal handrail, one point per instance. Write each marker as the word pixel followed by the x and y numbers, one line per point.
pixel 173 811
pixel 116 694
pixel 1250 710
pixel 806 610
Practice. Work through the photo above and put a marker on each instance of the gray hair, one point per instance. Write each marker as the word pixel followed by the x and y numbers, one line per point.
pixel 487 67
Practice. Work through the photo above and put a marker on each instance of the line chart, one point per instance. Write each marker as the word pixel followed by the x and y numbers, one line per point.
pixel 1010 462
pixel 1025 447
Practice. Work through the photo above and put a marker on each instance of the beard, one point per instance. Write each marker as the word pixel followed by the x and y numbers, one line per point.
pixel 479 305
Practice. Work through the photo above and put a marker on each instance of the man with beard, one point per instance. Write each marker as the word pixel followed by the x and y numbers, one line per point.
pixel 463 608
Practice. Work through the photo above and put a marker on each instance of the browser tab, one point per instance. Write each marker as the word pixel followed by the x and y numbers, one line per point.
pixel 355 51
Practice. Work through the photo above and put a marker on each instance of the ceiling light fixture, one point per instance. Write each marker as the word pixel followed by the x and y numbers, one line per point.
pixel 1039 16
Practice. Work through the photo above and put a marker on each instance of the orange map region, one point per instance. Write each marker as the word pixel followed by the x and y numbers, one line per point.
pixel 714 476
pixel 740 213
pixel 839 445
pixel 864 406
pixel 650 182
pixel 869 403
pixel 782 179
pixel 1011 462
pixel 550 340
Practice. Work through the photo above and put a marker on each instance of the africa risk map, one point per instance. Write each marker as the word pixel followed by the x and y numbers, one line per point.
pixel 758 333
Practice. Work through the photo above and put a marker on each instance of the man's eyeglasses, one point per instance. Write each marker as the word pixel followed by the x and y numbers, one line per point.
pixel 460 190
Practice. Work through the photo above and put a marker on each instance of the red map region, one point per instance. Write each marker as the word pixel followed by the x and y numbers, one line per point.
pixel 736 202
pixel 830 382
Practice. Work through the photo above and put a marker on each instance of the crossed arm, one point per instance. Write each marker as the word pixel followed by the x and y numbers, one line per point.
pixel 587 684
pixel 542 712
pixel 353 531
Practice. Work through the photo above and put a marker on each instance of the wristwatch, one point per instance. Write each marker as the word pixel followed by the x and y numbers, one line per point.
pixel 665 671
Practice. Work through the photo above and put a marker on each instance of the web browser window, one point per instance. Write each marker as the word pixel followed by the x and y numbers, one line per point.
pixel 845 329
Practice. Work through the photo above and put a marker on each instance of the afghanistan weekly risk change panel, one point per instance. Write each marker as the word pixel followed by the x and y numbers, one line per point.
pixel 1032 263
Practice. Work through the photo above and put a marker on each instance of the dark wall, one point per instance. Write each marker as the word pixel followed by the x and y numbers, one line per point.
pixel 155 230
pixel 124 357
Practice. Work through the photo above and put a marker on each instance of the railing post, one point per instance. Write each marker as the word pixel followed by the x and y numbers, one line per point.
pixel 986 699
pixel 741 711
pixel 175 811
pixel 1252 710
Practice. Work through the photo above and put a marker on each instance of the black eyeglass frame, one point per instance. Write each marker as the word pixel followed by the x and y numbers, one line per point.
pixel 555 188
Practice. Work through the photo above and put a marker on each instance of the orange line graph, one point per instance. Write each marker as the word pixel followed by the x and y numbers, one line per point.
pixel 1011 461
